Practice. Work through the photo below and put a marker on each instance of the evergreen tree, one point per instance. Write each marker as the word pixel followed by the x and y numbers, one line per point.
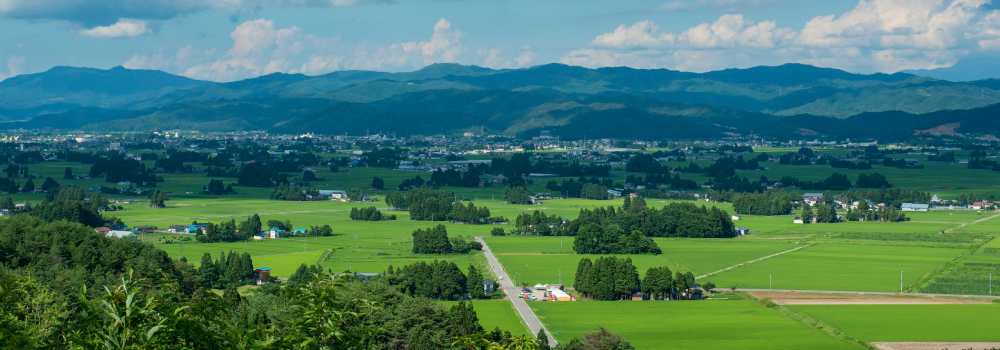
pixel 543 340
pixel 475 282
pixel 68 173
pixel 208 271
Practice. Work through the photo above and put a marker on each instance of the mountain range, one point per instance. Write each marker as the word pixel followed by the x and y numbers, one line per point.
pixel 790 100
pixel 969 69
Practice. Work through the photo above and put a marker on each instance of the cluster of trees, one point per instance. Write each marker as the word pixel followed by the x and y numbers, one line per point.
pixel 434 240
pixel 537 223
pixel 378 183
pixel 232 270
pixel 424 203
pixel 174 162
pixel 369 214
pixel 292 193
pixel 582 188
pixel 415 182
pixel 222 232
pixel 942 157
pixel 613 278
pixel 157 199
pixel 223 172
pixel 864 212
pixel 873 180
pixel 835 182
pixel 308 175
pixel 516 195
pixel 455 178
pixel 442 280
pixel 216 187
pixel 8 185
pixel 259 174
pixel 69 204
pixel 469 214
pixel 118 168
pixel 14 170
pixel 673 220
pixel 824 213
pixel 607 278
pixel 611 239
pixel 382 157
pixel 771 202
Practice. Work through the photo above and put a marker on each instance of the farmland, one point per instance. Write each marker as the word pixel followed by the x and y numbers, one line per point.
pixel 911 323
pixel 710 324
pixel 497 314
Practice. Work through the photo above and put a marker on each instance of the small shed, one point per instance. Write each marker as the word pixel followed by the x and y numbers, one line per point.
pixel 638 296
pixel 489 285
pixel 742 231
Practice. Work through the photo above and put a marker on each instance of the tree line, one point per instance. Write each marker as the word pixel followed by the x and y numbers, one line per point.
pixel 369 214
pixel 614 278
pixel 434 240
pixel 673 220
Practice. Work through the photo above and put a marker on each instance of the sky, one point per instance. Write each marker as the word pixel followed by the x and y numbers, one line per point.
pixel 228 40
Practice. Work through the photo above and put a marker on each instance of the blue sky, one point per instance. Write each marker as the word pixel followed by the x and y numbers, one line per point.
pixel 225 40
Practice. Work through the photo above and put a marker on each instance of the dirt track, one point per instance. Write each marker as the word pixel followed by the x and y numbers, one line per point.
pixel 935 346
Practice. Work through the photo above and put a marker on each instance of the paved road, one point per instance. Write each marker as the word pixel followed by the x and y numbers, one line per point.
pixel 873 293
pixel 511 290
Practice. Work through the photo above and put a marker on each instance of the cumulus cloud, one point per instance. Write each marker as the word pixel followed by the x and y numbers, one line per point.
pixel 14 67
pixel 123 28
pixel 444 46
pixel 877 35
pixel 258 48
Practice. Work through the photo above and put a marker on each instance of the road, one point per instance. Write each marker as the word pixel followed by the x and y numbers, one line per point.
pixel 512 293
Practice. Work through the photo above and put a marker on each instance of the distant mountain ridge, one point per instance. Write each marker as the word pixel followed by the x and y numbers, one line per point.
pixel 969 69
pixel 451 98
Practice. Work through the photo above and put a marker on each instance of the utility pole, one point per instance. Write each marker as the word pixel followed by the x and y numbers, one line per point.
pixel 991 283
pixel 770 278
pixel 900 281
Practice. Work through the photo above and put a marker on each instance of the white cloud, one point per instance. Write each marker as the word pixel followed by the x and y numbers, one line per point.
pixel 123 28
pixel 496 60
pixel 877 35
pixel 259 48
pixel 14 67
pixel 444 46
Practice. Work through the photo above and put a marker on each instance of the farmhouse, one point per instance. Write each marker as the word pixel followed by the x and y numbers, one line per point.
pixel 736 217
pixel 742 231
pixel 489 285
pixel 334 195
pixel 914 207
pixel 812 198
pixel 273 232
pixel 177 229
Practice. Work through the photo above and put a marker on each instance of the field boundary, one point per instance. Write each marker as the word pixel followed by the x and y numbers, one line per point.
pixel 241 215
pixel 809 321
pixel 972 223
pixel 755 260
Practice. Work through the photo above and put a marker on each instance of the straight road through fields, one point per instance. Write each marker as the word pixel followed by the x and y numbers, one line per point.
pixel 511 290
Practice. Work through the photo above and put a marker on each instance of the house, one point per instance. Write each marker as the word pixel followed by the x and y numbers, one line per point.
pixel 262 274
pixel 742 231
pixel 736 218
pixel 143 229
pixel 300 232
pixel 638 296
pixel 4 212
pixel 489 286
pixel 177 229
pixel 914 207
pixel 980 205
pixel 274 232
pixel 798 221
pixel 103 230
pixel 559 295
pixel 812 198
pixel 334 195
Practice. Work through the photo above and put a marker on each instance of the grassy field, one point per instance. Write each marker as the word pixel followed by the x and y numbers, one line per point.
pixel 543 259
pixel 911 323
pixel 497 314
pixel 840 267
pixel 709 324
